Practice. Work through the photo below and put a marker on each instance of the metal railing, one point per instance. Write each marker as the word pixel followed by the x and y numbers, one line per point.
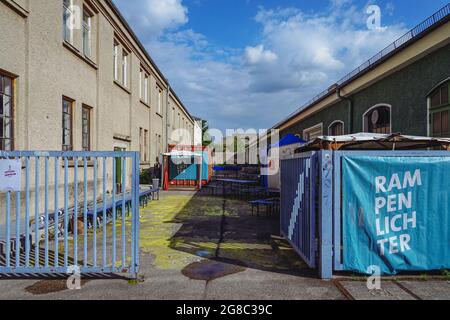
pixel 71 211
pixel 413 34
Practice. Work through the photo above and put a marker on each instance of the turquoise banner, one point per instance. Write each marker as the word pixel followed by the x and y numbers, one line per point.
pixel 396 213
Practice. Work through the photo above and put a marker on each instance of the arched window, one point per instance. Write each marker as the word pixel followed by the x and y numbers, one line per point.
pixel 336 128
pixel 378 119
pixel 439 111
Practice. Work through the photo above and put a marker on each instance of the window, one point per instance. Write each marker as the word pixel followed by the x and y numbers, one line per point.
pixel 160 100
pixel 141 132
pixel 336 128
pixel 146 88
pixel 313 132
pixel 143 144
pixel 159 143
pixel 247 150
pixel 67 121
pixel 141 83
pixel 125 68
pixel 440 96
pixel 6 114
pixel 439 112
pixel 143 86
pixel 378 119
pixel 173 117
pixel 68 20
pixel 86 128
pixel 116 61
pixel 87 34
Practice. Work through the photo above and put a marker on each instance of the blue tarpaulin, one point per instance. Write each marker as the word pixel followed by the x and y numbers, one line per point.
pixel 396 213
pixel 287 140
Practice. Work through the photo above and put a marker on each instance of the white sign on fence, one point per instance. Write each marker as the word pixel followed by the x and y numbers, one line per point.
pixel 10 175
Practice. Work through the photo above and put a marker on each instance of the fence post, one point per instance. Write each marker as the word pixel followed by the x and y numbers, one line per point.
pixel 325 215
pixel 135 212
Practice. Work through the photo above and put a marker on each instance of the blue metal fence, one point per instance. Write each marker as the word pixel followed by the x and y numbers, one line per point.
pixel 84 222
pixel 311 204
pixel 337 191
pixel 298 204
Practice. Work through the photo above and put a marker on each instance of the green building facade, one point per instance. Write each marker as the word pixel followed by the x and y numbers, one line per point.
pixel 413 100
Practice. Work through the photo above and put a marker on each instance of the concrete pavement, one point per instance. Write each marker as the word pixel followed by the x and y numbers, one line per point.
pixel 197 247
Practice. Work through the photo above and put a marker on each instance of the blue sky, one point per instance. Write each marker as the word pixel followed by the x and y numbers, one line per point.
pixel 249 63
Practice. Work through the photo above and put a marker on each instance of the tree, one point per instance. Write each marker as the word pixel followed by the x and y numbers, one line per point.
pixel 205 134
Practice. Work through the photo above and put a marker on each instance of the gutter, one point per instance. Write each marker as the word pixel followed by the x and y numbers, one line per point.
pixel 167 116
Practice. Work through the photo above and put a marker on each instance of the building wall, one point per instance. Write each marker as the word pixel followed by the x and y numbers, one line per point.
pixel 198 133
pixel 45 68
pixel 180 127
pixel 406 90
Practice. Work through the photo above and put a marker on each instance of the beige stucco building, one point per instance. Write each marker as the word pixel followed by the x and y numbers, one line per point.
pixel 77 78
pixel 74 76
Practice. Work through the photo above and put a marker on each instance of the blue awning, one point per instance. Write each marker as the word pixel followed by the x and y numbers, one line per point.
pixel 288 140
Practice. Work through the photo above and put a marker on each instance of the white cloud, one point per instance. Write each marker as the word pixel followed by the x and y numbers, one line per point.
pixel 256 55
pixel 297 55
pixel 152 17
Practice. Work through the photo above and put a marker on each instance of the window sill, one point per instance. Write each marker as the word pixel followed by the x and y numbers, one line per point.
pixel 76 52
pixel 443 106
pixel 17 8
pixel 122 87
pixel 145 103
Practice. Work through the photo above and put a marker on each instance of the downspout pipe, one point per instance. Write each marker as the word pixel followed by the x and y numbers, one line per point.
pixel 167 117
pixel 350 109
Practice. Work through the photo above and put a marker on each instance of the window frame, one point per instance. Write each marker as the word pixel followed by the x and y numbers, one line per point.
pixel 87 13
pixel 141 130
pixel 68 10
pixel 440 108
pixel 368 111
pixel 146 146
pixel 146 87
pixel 160 100
pixel 141 73
pixel 310 129
pixel 12 109
pixel 334 123
pixel 116 61
pixel 89 110
pixel 174 115
pixel 125 65
pixel 71 114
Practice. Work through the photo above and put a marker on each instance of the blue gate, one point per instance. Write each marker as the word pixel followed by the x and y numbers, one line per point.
pixel 298 204
pixel 72 209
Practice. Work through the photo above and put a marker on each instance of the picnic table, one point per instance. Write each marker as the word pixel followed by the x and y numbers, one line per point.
pixel 271 204
pixel 238 182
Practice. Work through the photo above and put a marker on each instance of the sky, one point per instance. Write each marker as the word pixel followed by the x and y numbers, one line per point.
pixel 242 64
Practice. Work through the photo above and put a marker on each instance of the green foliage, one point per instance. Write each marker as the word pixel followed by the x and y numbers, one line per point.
pixel 145 177
pixel 205 134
